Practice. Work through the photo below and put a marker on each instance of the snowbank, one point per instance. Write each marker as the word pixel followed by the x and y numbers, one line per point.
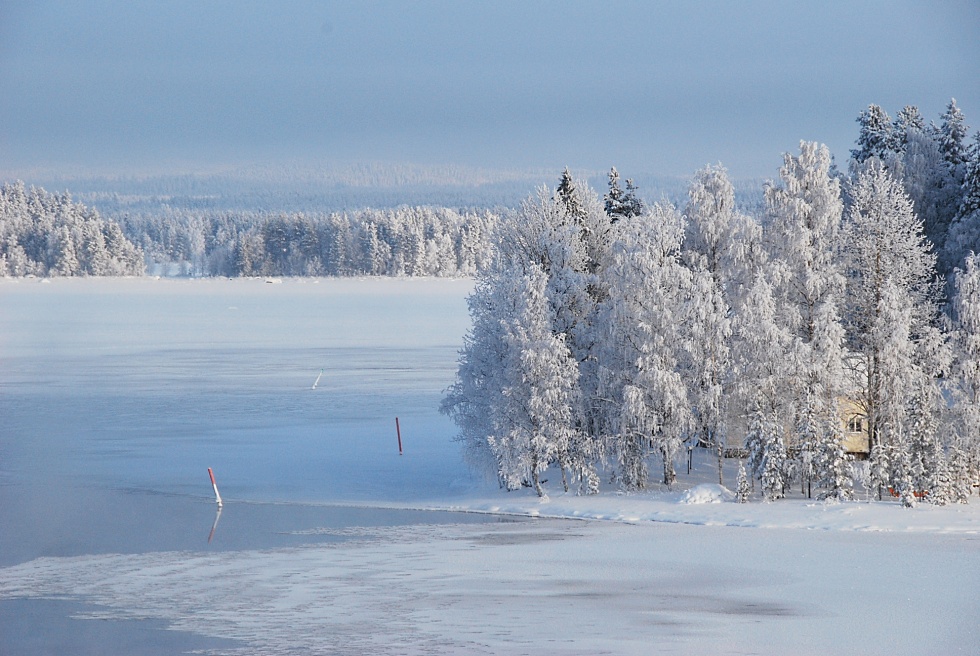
pixel 713 505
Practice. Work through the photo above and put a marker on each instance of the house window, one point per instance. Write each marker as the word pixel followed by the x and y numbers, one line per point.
pixel 855 424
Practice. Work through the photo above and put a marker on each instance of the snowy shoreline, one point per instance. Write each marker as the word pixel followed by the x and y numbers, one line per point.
pixel 787 514
pixel 701 505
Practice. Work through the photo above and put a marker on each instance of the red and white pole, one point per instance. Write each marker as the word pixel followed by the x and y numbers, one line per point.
pixel 215 486
pixel 399 431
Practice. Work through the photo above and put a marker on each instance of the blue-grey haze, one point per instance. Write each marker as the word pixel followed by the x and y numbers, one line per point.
pixel 653 87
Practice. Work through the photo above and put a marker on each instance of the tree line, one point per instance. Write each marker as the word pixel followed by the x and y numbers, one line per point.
pixel 46 234
pixel 606 341
pixel 405 241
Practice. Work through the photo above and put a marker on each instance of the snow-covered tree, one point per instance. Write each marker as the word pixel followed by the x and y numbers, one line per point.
pixel 804 234
pixel 930 185
pixel 907 120
pixel 875 138
pixel 647 397
pixel 964 233
pixel 620 203
pixel 892 312
pixel 567 194
pixel 761 348
pixel 722 247
pixel 767 450
pixel 569 248
pixel 964 381
pixel 952 133
pixel 833 465
pixel 525 402
pixel 742 489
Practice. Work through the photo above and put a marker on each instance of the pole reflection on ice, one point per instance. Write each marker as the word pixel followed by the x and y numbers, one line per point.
pixel 214 526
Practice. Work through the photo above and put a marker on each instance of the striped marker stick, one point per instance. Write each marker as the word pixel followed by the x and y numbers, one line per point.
pixel 215 486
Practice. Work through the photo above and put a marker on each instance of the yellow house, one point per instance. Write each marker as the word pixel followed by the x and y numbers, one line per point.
pixel 854 423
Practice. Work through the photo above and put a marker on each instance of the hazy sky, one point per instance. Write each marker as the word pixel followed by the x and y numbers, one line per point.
pixel 658 87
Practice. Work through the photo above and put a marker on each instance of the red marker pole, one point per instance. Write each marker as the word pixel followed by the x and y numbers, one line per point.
pixel 399 431
pixel 215 486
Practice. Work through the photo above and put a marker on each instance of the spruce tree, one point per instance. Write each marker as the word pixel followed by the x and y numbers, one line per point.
pixel 875 135
pixel 742 489
pixel 834 465
pixel 952 133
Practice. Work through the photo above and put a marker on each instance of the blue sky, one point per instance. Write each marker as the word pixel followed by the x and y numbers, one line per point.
pixel 662 88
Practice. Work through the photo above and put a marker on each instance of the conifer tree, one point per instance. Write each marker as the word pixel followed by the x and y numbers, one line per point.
pixel 964 232
pixel 907 120
pixel 952 133
pixel 833 465
pixel 875 135
pixel 620 204
pixel 567 195
pixel 742 489
pixel 964 381
pixel 773 475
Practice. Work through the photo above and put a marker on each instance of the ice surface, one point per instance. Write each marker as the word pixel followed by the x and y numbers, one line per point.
pixel 555 587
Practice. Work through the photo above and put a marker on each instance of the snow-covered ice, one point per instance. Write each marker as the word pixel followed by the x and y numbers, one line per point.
pixel 143 384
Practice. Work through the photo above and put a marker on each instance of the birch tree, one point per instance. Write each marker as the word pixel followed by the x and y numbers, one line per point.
pixel 648 401
pixel 892 306
pixel 805 212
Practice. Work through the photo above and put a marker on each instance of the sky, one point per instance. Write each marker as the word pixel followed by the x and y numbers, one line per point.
pixel 114 86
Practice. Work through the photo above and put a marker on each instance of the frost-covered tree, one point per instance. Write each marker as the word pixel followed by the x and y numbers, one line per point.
pixel 767 451
pixel 620 203
pixel 892 313
pixel 964 233
pixel 964 381
pixel 952 133
pixel 931 187
pixel 805 213
pixel 722 248
pixel 961 478
pixel 552 242
pixel 570 249
pixel 472 399
pixel 907 120
pixel 649 292
pixel 833 465
pixel 761 347
pixel 527 413
pixel 567 195
pixel 927 458
pixel 875 135
pixel 742 489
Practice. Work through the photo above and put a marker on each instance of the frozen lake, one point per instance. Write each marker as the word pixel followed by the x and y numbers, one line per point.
pixel 146 383
pixel 117 395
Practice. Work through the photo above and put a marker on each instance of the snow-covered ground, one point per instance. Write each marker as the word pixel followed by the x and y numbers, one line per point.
pixel 141 385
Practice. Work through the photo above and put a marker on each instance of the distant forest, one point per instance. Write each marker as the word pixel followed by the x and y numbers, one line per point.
pixel 50 235
pixel 408 241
